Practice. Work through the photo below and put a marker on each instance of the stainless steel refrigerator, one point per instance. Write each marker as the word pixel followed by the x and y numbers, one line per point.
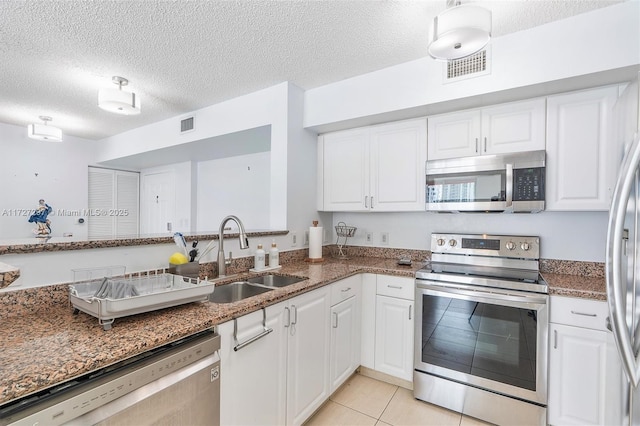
pixel 623 252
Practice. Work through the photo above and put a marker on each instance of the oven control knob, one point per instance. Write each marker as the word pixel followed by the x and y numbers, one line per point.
pixel 440 241
pixel 524 246
pixel 510 245
pixel 453 242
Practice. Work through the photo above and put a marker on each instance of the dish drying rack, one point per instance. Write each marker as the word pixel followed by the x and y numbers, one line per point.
pixel 108 293
pixel 343 231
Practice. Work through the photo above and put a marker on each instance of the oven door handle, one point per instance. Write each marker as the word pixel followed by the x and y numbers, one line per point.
pixel 509 188
pixel 526 301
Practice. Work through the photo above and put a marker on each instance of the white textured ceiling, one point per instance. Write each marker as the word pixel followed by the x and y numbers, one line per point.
pixel 183 55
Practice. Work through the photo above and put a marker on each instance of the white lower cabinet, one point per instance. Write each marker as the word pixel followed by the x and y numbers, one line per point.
pixel 394 326
pixel 253 379
pixel 585 375
pixel 282 377
pixel 345 330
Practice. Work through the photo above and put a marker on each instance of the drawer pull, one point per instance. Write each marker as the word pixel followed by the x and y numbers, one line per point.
pixel 344 290
pixel 555 339
pixel 584 314
pixel 394 286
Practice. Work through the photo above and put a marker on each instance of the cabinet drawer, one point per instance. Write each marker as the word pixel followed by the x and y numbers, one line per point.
pixel 400 287
pixel 344 289
pixel 579 312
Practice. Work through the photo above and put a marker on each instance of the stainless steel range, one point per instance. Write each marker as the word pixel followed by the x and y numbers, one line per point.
pixel 481 330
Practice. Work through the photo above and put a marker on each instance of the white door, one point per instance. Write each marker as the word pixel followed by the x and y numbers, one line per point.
pixel 394 337
pixel 582 156
pixel 584 377
pixel 345 342
pixel 308 354
pixel 454 135
pixel 253 378
pixel 513 127
pixel 345 170
pixel 398 152
pixel 158 202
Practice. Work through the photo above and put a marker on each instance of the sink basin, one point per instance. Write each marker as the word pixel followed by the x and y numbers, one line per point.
pixel 235 292
pixel 275 280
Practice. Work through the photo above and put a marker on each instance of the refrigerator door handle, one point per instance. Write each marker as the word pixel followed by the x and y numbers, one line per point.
pixel 616 294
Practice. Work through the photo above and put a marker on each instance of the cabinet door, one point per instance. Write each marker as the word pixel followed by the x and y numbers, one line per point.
pixel 345 170
pixel 345 341
pixel 394 337
pixel 581 154
pixel 308 354
pixel 453 135
pixel 398 153
pixel 584 377
pixel 256 374
pixel 513 127
pixel 368 321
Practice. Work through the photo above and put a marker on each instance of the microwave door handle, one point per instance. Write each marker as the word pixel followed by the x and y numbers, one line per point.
pixel 509 188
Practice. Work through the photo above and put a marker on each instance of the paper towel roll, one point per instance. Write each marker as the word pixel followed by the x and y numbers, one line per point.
pixel 315 242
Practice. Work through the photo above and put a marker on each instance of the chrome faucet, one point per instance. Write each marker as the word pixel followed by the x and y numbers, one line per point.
pixel 244 244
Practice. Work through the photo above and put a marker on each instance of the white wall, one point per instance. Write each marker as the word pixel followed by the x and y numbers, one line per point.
pixel 563 235
pixel 223 186
pixel 32 169
pixel 526 62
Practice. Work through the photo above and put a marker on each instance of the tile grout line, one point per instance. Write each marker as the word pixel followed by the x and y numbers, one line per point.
pixel 353 409
pixel 387 406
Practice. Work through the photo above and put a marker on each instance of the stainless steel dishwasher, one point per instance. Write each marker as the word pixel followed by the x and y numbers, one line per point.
pixel 175 384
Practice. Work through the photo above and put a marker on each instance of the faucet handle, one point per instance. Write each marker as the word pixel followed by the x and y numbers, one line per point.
pixel 228 261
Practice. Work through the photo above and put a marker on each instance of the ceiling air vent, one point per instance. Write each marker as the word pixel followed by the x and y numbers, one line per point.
pixel 186 125
pixel 471 66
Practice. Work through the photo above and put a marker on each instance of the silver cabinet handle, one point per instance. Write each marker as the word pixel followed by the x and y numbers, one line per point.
pixel 485 144
pixel 555 339
pixel 335 316
pixel 288 322
pixel 366 201
pixel 394 286
pixel 295 314
pixel 265 331
pixel 616 290
pixel 584 314
pixel 372 201
pixel 476 144
pixel 410 309
pixel 344 290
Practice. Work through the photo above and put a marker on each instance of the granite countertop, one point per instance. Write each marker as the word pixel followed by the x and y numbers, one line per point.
pixel 45 344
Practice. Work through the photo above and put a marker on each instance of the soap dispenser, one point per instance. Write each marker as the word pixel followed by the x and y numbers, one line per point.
pixel 259 258
pixel 274 256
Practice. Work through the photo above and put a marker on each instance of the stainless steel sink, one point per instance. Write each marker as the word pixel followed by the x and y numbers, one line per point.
pixel 275 280
pixel 235 292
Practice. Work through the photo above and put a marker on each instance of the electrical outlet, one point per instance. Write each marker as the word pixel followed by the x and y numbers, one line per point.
pixel 384 238
pixel 306 238
pixel 294 239
pixel 368 237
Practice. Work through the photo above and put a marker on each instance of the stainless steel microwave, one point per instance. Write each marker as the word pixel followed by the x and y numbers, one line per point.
pixel 510 183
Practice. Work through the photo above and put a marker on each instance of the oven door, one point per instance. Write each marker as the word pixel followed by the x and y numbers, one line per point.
pixel 494 340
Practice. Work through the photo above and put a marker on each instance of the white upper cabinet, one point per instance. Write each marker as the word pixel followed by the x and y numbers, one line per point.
pixel 504 128
pixel 375 168
pixel 582 154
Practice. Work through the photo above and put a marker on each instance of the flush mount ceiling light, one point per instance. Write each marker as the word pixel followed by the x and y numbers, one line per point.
pixel 459 31
pixel 117 100
pixel 44 132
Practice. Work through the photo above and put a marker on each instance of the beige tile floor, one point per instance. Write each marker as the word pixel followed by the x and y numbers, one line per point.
pixel 365 401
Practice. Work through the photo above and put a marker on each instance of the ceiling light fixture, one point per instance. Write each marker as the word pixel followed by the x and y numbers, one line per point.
pixel 44 132
pixel 459 31
pixel 117 100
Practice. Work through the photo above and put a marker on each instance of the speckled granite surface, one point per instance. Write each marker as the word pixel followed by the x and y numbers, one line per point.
pixel 44 344
pixel 36 245
pixel 8 274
